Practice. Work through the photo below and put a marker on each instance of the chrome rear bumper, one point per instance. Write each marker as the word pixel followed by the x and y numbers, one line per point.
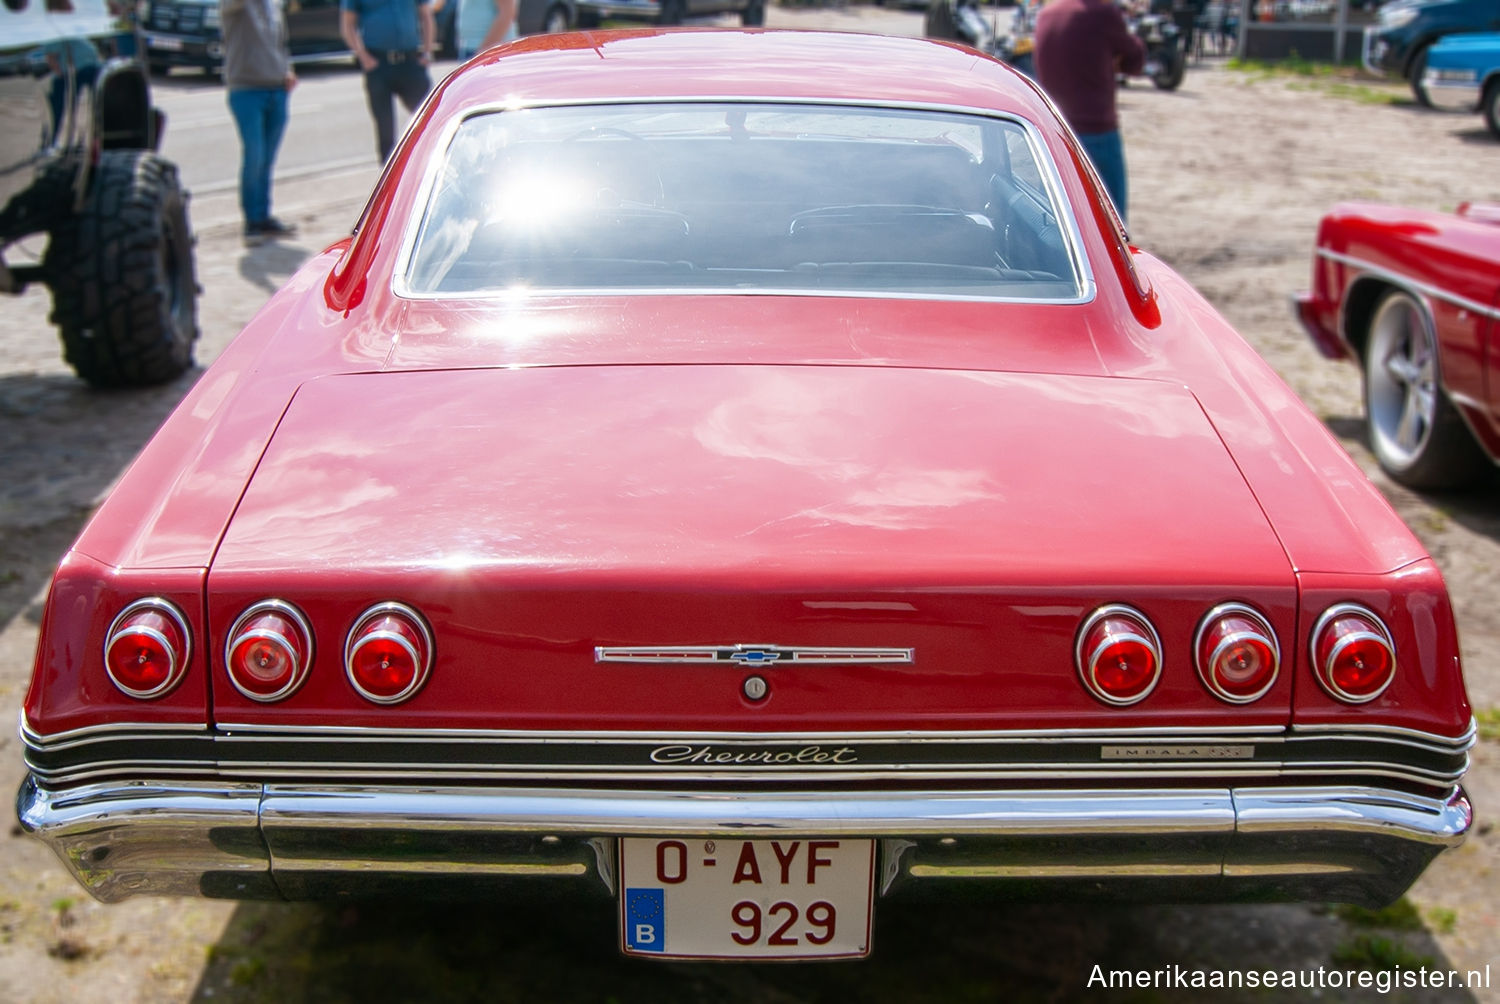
pixel 243 841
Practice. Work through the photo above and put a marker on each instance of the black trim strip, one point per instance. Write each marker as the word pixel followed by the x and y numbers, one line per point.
pixel 422 758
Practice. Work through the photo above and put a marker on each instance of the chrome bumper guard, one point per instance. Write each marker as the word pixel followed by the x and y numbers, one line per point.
pixel 246 841
pixel 1452 95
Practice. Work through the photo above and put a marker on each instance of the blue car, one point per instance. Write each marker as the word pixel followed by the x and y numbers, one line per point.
pixel 1463 73
pixel 1404 32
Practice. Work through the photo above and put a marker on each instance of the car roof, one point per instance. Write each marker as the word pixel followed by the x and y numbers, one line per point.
pixel 726 63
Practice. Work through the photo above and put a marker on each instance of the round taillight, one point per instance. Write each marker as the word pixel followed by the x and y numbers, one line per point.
pixel 146 649
pixel 1352 653
pixel 1237 653
pixel 389 653
pixel 269 652
pixel 1118 655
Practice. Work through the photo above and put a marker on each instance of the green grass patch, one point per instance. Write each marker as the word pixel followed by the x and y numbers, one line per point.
pixel 1489 723
pixel 1368 951
pixel 1333 79
pixel 1442 919
pixel 1401 915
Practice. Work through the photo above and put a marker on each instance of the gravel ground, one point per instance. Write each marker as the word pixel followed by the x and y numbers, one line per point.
pixel 1229 177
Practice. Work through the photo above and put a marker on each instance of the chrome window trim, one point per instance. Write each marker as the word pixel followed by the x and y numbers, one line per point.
pixel 1417 285
pixel 1083 276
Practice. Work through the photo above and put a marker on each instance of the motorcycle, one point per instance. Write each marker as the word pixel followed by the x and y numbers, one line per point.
pixel 1166 56
pixel 963 21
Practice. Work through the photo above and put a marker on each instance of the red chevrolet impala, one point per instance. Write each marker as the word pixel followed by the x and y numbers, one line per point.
pixel 1412 296
pixel 748 476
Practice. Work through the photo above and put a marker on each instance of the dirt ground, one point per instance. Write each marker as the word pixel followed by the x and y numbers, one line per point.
pixel 1229 176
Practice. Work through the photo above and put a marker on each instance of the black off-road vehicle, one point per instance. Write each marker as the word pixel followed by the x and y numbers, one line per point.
pixel 78 163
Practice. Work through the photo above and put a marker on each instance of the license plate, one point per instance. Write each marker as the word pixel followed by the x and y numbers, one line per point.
pixel 791 898
pixel 164 43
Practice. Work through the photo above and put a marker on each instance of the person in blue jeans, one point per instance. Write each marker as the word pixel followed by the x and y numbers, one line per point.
pixel 392 39
pixel 258 78
pixel 1080 47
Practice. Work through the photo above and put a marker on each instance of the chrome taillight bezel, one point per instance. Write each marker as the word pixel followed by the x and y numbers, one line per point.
pixel 1085 663
pixel 1320 671
pixel 423 660
pixel 1205 673
pixel 299 674
pixel 178 667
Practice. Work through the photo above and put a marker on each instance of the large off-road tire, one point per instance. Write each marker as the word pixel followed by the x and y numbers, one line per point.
pixel 124 294
pixel 1418 437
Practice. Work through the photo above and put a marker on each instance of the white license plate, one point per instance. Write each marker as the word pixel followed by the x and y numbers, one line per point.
pixel 164 43
pixel 790 898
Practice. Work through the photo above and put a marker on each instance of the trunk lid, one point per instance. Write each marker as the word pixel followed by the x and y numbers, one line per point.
pixel 534 515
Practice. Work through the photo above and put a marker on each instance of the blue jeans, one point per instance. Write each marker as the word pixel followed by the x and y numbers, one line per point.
pixel 407 80
pixel 260 116
pixel 1107 151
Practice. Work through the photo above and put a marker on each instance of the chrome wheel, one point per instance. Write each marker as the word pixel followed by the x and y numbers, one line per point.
pixel 1414 432
pixel 1402 380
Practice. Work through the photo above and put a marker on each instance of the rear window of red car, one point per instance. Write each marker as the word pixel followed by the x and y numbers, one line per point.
pixel 744 197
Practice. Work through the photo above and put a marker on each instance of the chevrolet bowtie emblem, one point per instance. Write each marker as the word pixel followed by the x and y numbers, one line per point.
pixel 750 655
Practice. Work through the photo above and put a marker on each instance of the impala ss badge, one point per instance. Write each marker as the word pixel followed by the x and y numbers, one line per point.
pixel 750 655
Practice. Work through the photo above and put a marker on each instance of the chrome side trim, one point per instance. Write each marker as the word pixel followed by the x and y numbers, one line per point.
pixel 447 756
pixel 1425 288
pixel 1459 743
pixel 346 732
pixel 428 774
pixel 108 730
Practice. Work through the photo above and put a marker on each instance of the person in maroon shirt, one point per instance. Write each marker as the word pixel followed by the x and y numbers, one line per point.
pixel 1080 46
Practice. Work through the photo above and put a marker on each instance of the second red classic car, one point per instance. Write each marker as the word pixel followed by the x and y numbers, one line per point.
pixel 1413 296
pixel 747 475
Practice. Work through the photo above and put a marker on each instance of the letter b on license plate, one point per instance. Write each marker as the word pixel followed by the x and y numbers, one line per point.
pixel 712 898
